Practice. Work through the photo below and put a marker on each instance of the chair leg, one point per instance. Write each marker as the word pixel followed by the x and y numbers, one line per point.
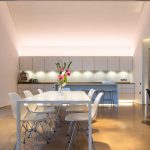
pixel 93 145
pixel 71 123
pixel 72 135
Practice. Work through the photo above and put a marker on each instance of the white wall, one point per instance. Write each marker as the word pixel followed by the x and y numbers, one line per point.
pixel 143 31
pixel 76 51
pixel 8 55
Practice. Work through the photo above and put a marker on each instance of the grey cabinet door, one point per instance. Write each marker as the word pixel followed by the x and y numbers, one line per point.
pixel 88 63
pixel 25 63
pixel 34 88
pixel 50 63
pixel 23 87
pixel 49 87
pixel 76 63
pixel 101 63
pixel 63 59
pixel 38 64
pixel 113 63
pixel 126 63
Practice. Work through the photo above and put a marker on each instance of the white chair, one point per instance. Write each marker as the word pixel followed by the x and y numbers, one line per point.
pixel 80 107
pixel 91 92
pixel 40 91
pixel 45 109
pixel 30 122
pixel 78 120
pixel 38 108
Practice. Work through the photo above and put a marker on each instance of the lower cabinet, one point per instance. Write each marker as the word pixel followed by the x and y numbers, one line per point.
pixel 33 88
pixel 23 87
pixel 48 87
pixel 126 91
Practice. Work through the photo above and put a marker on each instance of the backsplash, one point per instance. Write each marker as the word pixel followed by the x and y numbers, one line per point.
pixel 87 76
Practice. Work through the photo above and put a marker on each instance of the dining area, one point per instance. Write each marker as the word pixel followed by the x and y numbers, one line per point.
pixel 40 116
pixel 74 75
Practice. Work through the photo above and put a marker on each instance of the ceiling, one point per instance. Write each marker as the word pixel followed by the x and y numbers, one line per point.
pixel 76 23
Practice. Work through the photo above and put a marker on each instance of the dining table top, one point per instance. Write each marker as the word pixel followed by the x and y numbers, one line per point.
pixel 56 96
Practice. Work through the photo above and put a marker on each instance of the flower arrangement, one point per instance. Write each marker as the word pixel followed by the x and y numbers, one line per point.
pixel 63 72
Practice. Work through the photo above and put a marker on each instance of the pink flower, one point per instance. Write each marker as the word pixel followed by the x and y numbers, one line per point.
pixel 61 69
pixel 67 70
pixel 60 77
pixel 68 73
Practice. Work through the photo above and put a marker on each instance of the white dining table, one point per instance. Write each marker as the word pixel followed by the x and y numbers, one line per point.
pixel 55 97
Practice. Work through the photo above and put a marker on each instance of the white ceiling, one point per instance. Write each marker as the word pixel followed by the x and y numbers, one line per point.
pixel 43 25
pixel 75 23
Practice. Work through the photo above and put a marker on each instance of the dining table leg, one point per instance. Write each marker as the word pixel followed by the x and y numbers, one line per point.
pixel 90 127
pixel 18 138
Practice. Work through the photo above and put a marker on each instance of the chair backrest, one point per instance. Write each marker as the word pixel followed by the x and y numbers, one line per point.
pixel 14 97
pixel 95 105
pixel 27 93
pixel 40 91
pixel 92 93
pixel 31 107
pixel 89 93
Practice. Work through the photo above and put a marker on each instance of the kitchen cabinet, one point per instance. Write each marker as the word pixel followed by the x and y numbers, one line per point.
pixel 48 87
pixel 34 88
pixel 25 63
pixel 38 64
pixel 76 63
pixel 63 59
pixel 113 63
pixel 50 63
pixel 88 63
pixel 101 63
pixel 127 92
pixel 126 63
pixel 23 87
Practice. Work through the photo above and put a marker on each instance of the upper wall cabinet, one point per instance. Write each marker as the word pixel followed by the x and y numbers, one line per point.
pixel 38 63
pixel 63 59
pixel 113 63
pixel 88 63
pixel 101 63
pixel 50 63
pixel 76 63
pixel 25 63
pixel 126 63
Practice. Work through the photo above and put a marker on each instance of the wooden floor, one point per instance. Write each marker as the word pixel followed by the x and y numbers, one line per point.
pixel 120 129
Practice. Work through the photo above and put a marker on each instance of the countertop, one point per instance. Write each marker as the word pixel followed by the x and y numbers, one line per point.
pixel 78 83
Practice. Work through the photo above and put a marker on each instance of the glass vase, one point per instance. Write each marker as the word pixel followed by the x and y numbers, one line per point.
pixel 60 90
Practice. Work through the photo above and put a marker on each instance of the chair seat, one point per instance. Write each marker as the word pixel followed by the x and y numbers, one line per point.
pixel 44 109
pixel 77 108
pixel 77 117
pixel 35 117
